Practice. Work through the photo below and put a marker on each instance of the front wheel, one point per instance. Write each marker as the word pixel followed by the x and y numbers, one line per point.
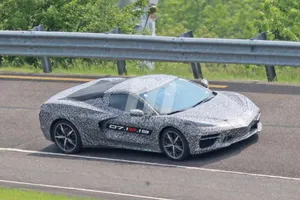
pixel 66 137
pixel 174 144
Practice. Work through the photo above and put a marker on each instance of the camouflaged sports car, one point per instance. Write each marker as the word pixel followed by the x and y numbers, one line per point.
pixel 157 113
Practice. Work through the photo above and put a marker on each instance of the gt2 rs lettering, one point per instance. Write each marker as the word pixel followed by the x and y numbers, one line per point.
pixel 128 129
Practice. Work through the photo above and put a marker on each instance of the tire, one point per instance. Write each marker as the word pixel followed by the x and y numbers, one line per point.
pixel 178 147
pixel 66 137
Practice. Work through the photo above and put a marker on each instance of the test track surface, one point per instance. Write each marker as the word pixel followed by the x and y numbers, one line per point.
pixel 273 153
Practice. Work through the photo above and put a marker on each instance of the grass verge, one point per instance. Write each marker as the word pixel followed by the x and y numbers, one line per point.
pixel 210 71
pixel 22 194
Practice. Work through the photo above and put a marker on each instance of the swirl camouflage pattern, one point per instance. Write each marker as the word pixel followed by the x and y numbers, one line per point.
pixel 156 113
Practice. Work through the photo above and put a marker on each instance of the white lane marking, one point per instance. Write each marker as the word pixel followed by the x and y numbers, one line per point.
pixel 148 163
pixel 81 189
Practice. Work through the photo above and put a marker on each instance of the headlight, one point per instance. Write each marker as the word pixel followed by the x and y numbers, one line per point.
pixel 205 125
pixel 258 116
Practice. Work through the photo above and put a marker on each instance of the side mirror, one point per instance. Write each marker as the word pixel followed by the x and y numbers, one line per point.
pixel 204 83
pixel 136 113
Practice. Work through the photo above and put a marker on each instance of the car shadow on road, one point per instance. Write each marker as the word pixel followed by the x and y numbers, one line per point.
pixel 115 155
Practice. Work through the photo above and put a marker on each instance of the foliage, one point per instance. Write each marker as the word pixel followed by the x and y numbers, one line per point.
pixel 20 194
pixel 230 18
pixel 206 18
pixel 281 19
pixel 68 15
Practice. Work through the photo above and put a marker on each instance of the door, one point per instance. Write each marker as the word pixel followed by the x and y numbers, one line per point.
pixel 127 128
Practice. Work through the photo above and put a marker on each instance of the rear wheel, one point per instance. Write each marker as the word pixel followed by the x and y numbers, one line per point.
pixel 174 144
pixel 66 137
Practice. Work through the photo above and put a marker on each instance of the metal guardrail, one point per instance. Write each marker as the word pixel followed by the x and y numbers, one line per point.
pixel 121 64
pixel 153 48
pixel 270 70
pixel 196 67
pixel 47 68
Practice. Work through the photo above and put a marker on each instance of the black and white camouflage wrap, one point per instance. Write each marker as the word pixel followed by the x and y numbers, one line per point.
pixel 226 119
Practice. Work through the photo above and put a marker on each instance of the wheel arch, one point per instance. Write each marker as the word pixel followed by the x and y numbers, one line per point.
pixel 165 128
pixel 161 132
pixel 54 122
pixel 179 131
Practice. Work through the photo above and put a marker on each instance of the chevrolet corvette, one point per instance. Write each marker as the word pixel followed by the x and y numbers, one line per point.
pixel 155 113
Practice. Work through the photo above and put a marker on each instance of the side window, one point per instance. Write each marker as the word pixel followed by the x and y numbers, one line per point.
pixel 125 102
pixel 118 101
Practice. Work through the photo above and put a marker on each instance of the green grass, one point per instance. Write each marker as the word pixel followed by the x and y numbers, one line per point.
pixel 210 71
pixel 20 194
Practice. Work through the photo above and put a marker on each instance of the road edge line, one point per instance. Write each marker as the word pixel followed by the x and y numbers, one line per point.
pixel 148 163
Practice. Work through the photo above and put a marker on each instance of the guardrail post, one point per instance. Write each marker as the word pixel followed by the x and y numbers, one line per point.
pixel 121 64
pixel 270 70
pixel 196 67
pixel 45 60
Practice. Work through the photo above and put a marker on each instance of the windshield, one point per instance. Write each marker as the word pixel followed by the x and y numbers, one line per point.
pixel 176 96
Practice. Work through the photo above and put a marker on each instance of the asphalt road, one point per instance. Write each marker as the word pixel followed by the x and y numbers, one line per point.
pixel 262 167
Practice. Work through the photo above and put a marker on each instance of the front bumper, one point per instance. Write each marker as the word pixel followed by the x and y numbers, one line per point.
pixel 224 139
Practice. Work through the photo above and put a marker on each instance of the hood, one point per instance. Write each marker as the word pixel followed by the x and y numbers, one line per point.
pixel 224 107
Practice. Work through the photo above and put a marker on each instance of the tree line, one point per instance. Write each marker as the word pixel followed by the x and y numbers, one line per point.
pixel 231 18
pixel 206 18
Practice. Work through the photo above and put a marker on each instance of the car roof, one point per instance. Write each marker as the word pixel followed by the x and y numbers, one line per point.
pixel 141 84
pixel 121 85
